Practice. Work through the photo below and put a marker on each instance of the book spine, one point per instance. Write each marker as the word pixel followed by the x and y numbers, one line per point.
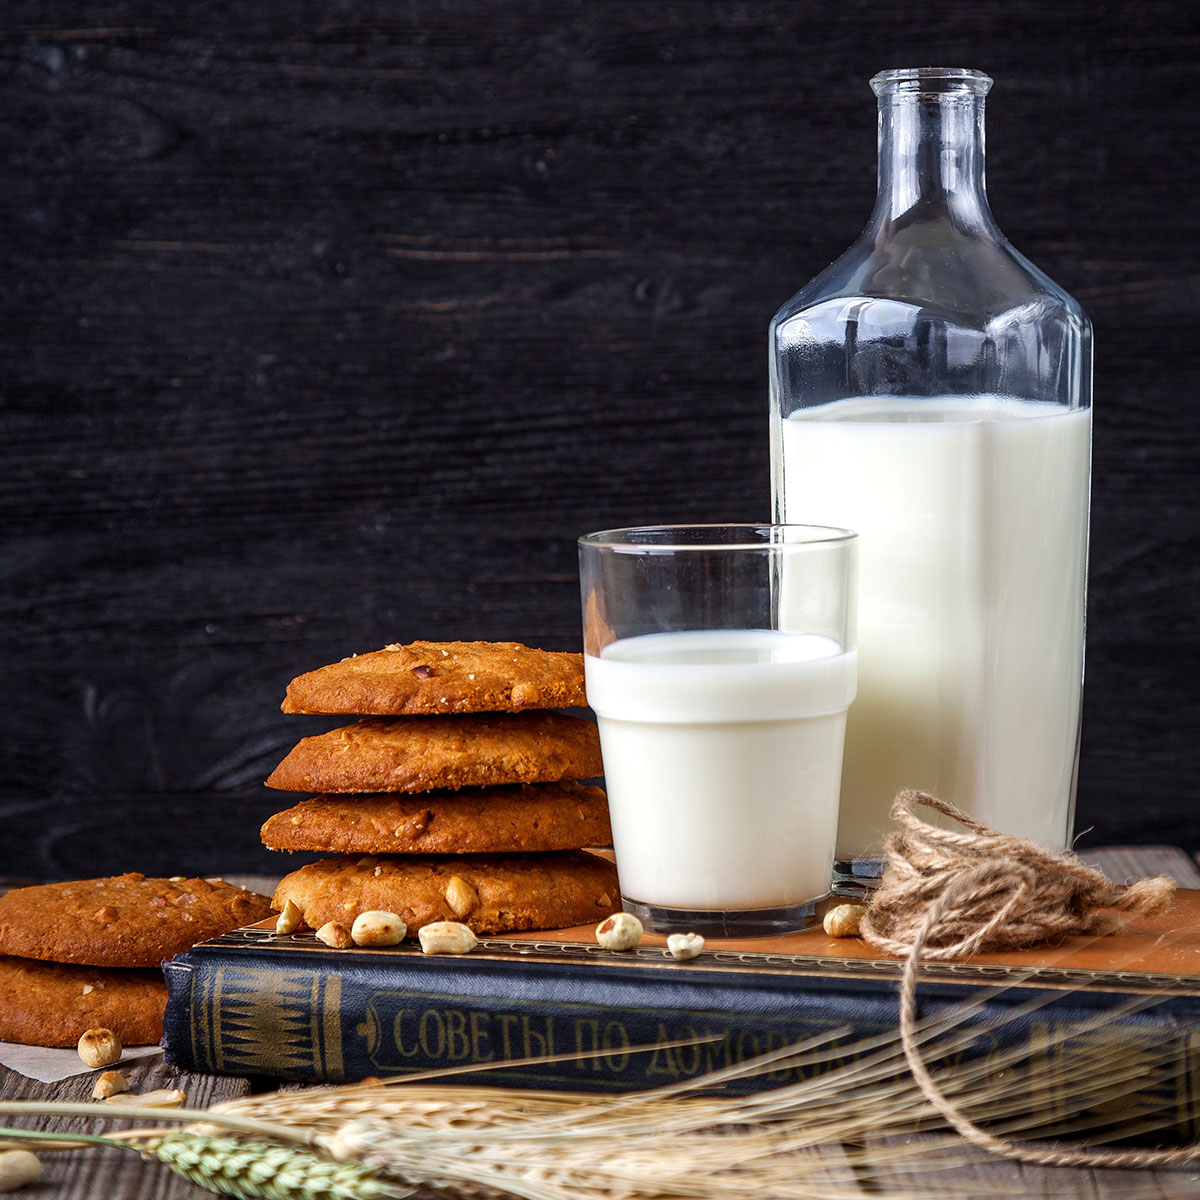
pixel 253 1016
pixel 307 1020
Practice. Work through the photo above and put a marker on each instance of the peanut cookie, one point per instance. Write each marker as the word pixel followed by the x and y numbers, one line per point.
pixel 422 754
pixel 492 893
pixel 124 921
pixel 441 677
pixel 499 820
pixel 49 1004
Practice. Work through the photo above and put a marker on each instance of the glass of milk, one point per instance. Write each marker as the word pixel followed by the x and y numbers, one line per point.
pixel 720 661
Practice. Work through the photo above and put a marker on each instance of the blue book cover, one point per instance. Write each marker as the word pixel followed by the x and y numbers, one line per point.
pixel 257 1003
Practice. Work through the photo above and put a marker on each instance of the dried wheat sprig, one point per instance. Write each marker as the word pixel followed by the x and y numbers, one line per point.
pixel 261 1170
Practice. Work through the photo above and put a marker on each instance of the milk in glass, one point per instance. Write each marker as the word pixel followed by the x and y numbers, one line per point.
pixel 722 756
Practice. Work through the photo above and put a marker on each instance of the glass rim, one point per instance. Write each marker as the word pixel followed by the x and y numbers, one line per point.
pixel 806 535
pixel 931 80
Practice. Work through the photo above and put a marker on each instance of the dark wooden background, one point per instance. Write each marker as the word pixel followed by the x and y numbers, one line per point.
pixel 332 324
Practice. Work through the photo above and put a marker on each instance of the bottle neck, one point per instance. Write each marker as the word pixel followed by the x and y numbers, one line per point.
pixel 931 158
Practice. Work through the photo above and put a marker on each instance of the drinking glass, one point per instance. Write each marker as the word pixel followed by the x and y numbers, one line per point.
pixel 720 661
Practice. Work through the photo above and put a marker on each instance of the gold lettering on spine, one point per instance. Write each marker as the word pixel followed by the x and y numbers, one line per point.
pixel 506 1021
pixel 431 1033
pixel 332 1027
pixel 480 1037
pixel 398 1034
pixel 538 1042
pixel 458 1045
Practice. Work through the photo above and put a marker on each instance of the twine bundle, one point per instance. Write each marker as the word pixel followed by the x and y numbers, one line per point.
pixel 947 894
pixel 992 891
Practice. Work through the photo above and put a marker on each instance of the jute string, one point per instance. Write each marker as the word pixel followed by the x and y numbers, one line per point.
pixel 947 894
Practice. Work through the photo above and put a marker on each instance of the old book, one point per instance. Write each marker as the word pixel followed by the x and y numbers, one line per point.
pixel 256 1003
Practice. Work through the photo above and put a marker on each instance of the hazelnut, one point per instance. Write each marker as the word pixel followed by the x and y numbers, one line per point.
pixel 289 920
pixel 621 931
pixel 843 921
pixel 335 934
pixel 378 928
pixel 461 896
pixel 685 945
pixel 99 1047
pixel 109 1084
pixel 446 937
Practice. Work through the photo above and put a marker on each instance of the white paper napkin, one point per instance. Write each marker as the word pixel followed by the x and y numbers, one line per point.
pixel 48 1064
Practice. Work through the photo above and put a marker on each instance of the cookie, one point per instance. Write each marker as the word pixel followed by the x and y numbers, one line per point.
pixel 50 1004
pixel 441 677
pixel 124 921
pixel 420 754
pixel 492 893
pixel 499 820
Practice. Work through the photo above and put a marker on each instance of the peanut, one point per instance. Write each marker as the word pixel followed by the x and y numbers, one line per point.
pixel 17 1168
pixel 446 937
pixel 99 1047
pixel 378 928
pixel 685 945
pixel 843 920
pixel 289 920
pixel 461 896
pixel 335 934
pixel 621 931
pixel 162 1098
pixel 109 1084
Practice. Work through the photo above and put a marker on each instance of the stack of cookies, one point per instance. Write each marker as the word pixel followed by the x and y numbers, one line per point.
pixel 456 798
pixel 78 955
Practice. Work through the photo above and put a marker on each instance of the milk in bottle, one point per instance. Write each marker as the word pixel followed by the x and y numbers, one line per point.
pixel 931 390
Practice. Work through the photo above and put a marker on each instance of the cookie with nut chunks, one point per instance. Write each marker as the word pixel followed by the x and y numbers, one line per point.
pixel 519 818
pixel 52 1004
pixel 410 754
pixel 122 921
pixel 441 677
pixel 491 893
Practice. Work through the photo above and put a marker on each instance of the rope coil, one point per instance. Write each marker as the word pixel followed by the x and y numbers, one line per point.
pixel 947 894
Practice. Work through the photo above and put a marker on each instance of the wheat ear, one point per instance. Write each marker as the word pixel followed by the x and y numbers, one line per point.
pixel 255 1170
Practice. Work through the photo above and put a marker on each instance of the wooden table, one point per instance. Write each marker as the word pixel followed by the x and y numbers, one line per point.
pixel 102 1174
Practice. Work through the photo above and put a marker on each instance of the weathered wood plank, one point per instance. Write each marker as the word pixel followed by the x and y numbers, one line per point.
pixel 88 1174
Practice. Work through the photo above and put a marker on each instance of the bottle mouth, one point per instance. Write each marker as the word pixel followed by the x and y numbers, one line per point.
pixel 931 81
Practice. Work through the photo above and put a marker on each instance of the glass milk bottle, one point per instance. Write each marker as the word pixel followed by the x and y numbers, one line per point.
pixel 932 391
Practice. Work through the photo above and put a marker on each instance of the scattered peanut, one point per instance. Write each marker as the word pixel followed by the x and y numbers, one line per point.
pixel 289 920
pixel 685 945
pixel 621 931
pixel 163 1098
pixel 17 1168
pixel 446 937
pixel 378 928
pixel 843 920
pixel 461 896
pixel 109 1084
pixel 99 1047
pixel 335 934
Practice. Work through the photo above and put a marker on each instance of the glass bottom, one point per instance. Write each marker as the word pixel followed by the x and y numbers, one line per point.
pixel 732 923
pixel 856 878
